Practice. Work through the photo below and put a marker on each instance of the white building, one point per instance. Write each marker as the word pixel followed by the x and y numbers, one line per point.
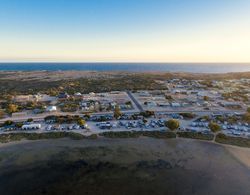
pixel 31 127
pixel 51 109
pixel 175 104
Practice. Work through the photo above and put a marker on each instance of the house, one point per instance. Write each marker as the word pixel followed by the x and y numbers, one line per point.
pixel 175 104
pixel 78 94
pixel 144 94
pixel 231 104
pixel 63 95
pixel 22 98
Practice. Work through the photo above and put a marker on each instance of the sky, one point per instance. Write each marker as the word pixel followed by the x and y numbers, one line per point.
pixel 124 31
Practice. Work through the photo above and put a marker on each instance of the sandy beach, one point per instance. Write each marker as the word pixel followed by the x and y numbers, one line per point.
pixel 242 154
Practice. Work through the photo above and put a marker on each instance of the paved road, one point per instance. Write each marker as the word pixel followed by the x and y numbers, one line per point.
pixel 138 105
pixel 42 116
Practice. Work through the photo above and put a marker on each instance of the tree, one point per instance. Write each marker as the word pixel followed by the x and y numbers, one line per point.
pixel 7 123
pixel 248 109
pixel 117 112
pixel 19 125
pixel 147 114
pixel 172 124
pixel 31 105
pixel 188 115
pixel 1 114
pixel 11 108
pixel 206 98
pixel 128 103
pixel 168 97
pixel 81 122
pixel 206 118
pixel 214 127
pixel 87 116
pixel 246 117
pixel 30 120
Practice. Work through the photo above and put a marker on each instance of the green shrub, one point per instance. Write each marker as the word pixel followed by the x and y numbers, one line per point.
pixel 194 135
pixel 5 138
pixel 136 134
pixel 237 141
pixel 172 124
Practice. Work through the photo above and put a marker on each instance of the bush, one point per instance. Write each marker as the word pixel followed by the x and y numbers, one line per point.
pixel 194 135
pixel 214 127
pixel 7 123
pixel 237 141
pixel 117 112
pixel 5 138
pixel 172 124
pixel 159 134
pixel 30 120
pixel 2 114
pixel 246 117
pixel 63 119
pixel 147 114
pixel 81 122
pixel 121 134
pixel 188 115
pixel 137 134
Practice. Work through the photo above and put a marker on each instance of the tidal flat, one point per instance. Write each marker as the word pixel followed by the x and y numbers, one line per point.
pixel 123 166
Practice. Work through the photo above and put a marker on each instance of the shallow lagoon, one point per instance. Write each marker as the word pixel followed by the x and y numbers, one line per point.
pixel 122 166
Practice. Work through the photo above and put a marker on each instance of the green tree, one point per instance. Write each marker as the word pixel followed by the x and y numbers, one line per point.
pixel 172 124
pixel 248 109
pixel 168 97
pixel 30 120
pixel 87 116
pixel 206 118
pixel 117 112
pixel 7 123
pixel 206 98
pixel 1 114
pixel 19 125
pixel 11 108
pixel 129 103
pixel 246 117
pixel 81 122
pixel 31 105
pixel 147 114
pixel 214 127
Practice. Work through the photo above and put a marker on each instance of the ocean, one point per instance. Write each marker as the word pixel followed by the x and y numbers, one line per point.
pixel 131 67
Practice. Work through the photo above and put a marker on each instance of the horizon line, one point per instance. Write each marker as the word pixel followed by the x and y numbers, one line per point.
pixel 119 62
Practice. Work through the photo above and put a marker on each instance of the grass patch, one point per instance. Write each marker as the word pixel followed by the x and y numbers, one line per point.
pixel 237 141
pixel 137 134
pixel 121 134
pixel 194 135
pixel 5 138
pixel 159 134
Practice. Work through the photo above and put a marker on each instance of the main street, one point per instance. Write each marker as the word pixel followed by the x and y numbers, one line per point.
pixel 40 117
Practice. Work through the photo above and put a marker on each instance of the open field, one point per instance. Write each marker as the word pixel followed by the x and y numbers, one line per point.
pixel 89 81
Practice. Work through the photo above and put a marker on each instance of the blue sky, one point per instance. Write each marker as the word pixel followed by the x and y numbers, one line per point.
pixel 125 30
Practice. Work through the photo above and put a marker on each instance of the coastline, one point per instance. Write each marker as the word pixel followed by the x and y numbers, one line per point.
pixel 127 66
